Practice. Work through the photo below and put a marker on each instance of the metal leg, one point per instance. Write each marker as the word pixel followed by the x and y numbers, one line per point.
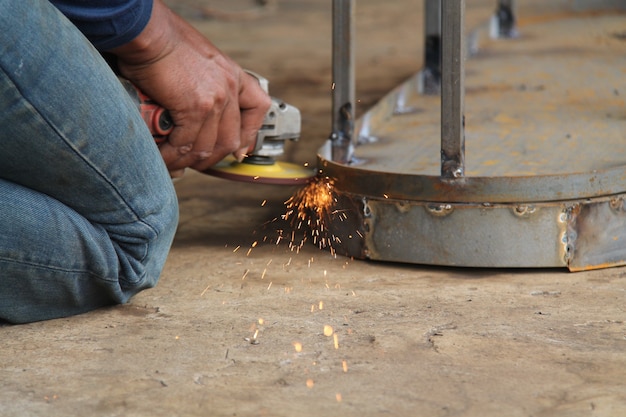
pixel 452 90
pixel 430 76
pixel 343 81
pixel 503 22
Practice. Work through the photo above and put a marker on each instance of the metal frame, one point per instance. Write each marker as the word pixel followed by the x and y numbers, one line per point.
pixel 575 220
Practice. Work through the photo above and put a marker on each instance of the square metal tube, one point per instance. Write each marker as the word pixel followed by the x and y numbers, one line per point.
pixel 503 23
pixel 343 81
pixel 431 73
pixel 452 89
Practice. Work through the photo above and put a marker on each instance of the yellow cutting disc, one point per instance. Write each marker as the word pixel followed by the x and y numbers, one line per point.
pixel 277 172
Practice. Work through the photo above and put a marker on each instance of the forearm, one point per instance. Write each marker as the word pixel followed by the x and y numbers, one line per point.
pixel 157 38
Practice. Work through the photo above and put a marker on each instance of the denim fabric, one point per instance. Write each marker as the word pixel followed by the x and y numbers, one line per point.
pixel 87 209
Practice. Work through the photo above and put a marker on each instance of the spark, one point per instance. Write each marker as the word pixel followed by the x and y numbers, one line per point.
pixel 336 340
pixel 328 330
pixel 310 383
pixel 269 286
pixel 338 397
pixel 245 274
pixel 321 305
pixel 344 365
pixel 236 249
pixel 254 245
pixel 263 203
pixel 261 321
pixel 297 346
pixel 263 274
pixel 205 290
pixel 310 211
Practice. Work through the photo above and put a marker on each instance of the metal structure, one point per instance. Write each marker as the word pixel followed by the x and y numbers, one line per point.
pixel 544 181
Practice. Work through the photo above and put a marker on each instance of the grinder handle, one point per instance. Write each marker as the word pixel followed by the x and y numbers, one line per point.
pixel 157 118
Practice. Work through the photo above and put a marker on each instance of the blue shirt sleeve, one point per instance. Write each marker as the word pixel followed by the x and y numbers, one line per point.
pixel 107 23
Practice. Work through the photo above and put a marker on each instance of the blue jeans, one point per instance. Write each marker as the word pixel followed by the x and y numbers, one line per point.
pixel 87 209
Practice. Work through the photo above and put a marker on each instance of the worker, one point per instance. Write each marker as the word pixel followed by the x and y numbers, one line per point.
pixel 87 207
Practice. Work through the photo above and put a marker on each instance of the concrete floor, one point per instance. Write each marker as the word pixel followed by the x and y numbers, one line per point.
pixel 236 328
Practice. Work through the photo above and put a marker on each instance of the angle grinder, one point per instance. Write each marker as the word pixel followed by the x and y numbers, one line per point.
pixel 282 122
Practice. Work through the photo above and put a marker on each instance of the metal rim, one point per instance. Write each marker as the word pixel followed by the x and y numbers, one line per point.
pixel 556 187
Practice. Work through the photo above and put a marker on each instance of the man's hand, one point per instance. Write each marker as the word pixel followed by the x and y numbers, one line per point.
pixel 216 107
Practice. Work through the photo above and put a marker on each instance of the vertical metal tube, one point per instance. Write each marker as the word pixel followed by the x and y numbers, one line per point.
pixel 430 82
pixel 343 81
pixel 452 89
pixel 503 23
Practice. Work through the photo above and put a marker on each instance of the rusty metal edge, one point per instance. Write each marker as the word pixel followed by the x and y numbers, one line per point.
pixel 558 187
pixel 579 234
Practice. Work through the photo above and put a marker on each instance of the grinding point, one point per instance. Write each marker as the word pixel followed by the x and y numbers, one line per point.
pixel 278 173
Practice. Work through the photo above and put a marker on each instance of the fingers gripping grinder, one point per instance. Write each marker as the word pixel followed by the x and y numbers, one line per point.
pixel 282 122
